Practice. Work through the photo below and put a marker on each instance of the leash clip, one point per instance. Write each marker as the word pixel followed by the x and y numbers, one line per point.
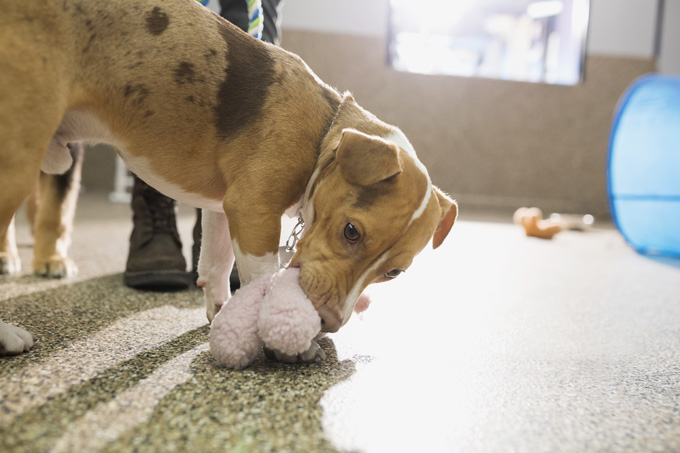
pixel 295 234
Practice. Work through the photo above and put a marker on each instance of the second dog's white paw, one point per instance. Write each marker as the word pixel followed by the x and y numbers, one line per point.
pixel 14 340
pixel 9 263
pixel 55 267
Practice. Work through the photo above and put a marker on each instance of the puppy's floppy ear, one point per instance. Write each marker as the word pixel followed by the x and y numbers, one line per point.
pixel 449 214
pixel 366 159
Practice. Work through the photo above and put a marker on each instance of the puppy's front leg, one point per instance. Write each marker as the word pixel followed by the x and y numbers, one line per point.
pixel 215 262
pixel 255 239
pixel 255 233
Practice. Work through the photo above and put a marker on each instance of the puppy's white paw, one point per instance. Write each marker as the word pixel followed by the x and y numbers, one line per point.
pixel 211 309
pixel 9 263
pixel 55 267
pixel 14 340
pixel 214 297
pixel 212 305
pixel 313 354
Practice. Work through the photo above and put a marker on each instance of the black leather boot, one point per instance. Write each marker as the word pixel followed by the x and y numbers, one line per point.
pixel 234 281
pixel 196 247
pixel 155 260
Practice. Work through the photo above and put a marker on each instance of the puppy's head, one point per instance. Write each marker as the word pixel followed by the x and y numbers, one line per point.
pixel 373 209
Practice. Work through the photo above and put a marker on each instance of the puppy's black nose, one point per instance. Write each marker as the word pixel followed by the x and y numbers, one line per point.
pixel 330 322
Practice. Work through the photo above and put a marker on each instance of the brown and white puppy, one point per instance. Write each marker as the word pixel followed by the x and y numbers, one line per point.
pixel 221 121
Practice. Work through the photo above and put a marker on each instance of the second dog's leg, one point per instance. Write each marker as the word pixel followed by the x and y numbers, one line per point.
pixel 11 197
pixel 53 223
pixel 17 183
pixel 14 340
pixel 215 262
pixel 9 255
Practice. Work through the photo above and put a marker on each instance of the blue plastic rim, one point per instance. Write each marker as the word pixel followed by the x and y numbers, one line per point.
pixel 643 172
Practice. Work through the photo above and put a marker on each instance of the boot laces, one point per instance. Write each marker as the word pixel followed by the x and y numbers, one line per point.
pixel 162 214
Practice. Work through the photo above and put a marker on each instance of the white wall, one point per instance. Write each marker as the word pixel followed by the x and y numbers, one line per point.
pixel 617 27
pixel 354 17
pixel 214 5
pixel 622 27
pixel 669 60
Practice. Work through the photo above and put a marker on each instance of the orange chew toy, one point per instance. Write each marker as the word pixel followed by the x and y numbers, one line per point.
pixel 534 224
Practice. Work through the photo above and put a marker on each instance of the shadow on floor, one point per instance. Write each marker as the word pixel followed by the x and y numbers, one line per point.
pixel 116 368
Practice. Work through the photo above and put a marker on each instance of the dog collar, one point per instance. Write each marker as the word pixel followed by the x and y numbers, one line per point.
pixel 295 234
pixel 299 227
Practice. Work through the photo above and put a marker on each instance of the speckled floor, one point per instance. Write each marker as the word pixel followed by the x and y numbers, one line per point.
pixel 495 342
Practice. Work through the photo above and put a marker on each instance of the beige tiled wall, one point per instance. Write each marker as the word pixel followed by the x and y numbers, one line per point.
pixel 490 143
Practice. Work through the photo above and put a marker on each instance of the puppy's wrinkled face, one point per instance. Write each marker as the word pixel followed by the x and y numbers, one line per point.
pixel 373 212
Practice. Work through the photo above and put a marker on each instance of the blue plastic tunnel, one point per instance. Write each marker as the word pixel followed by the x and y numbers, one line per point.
pixel 644 165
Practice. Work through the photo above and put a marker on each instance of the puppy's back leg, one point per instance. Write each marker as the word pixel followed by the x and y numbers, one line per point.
pixel 53 222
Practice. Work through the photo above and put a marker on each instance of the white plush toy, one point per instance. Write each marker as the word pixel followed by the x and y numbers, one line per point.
pixel 271 311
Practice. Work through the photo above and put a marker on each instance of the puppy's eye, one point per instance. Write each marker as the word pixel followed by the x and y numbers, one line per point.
pixel 394 273
pixel 351 233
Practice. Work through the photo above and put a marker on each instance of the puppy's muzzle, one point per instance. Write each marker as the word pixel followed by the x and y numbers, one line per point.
pixel 329 320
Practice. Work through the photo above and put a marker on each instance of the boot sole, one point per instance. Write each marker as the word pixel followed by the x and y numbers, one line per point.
pixel 158 280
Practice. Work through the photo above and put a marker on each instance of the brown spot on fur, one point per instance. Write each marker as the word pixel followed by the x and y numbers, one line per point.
pixel 368 195
pixel 137 93
pixel 104 18
pixel 211 53
pixel 279 79
pixel 157 21
pixel 148 113
pixel 248 75
pixel 184 73
pixel 89 42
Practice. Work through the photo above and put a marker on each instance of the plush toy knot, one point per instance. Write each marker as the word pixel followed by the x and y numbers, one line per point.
pixel 271 311
pixel 234 341
pixel 288 321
